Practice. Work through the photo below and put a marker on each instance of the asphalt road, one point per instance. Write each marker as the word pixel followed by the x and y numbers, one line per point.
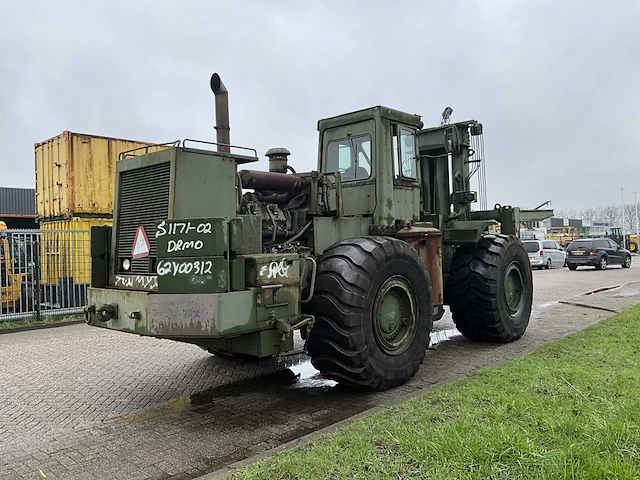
pixel 80 402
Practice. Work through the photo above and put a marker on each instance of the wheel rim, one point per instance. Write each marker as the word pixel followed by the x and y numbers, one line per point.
pixel 627 261
pixel 394 315
pixel 603 263
pixel 514 288
pixel 549 263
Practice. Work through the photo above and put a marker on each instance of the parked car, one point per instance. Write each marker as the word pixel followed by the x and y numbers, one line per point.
pixel 544 253
pixel 599 253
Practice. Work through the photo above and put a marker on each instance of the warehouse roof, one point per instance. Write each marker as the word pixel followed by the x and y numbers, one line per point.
pixel 17 202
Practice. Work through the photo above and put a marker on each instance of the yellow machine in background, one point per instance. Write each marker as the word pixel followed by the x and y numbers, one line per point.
pixel 630 241
pixel 10 283
pixel 563 235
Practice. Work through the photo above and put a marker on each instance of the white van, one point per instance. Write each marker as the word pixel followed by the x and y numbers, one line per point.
pixel 544 253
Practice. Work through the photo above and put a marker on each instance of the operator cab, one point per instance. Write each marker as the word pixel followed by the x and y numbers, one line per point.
pixel 374 151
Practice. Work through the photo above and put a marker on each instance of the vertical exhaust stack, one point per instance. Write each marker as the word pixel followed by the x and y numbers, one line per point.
pixel 222 113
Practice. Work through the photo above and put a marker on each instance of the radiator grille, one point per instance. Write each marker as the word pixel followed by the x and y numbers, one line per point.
pixel 144 200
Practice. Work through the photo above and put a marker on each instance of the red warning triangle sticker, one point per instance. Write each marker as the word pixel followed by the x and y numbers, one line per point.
pixel 141 247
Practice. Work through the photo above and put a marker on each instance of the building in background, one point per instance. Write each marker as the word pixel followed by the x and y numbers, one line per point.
pixel 601 229
pixel 18 207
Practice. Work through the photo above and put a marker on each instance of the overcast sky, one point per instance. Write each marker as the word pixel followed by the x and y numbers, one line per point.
pixel 555 83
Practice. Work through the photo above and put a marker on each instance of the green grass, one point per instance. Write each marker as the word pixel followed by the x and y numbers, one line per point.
pixel 44 320
pixel 571 409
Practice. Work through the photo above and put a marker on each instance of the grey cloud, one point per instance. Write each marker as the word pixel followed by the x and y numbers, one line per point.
pixel 553 82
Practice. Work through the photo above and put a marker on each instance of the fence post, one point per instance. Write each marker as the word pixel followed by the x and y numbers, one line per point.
pixel 36 275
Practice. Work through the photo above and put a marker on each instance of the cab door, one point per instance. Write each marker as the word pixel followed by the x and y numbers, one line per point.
pixel 406 186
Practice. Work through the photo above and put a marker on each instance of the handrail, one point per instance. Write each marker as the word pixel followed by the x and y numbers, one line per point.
pixel 184 144
pixel 146 148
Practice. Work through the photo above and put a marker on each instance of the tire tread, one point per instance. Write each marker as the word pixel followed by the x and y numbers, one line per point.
pixel 472 288
pixel 337 343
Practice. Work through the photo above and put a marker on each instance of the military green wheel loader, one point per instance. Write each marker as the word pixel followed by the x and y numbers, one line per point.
pixel 360 255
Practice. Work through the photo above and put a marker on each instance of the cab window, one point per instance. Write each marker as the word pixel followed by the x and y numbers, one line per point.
pixel 408 154
pixel 351 157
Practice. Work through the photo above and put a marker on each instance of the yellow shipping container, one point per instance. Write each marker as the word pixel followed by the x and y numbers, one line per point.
pixel 65 249
pixel 75 174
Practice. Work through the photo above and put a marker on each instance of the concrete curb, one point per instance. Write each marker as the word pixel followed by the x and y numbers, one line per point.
pixel 26 328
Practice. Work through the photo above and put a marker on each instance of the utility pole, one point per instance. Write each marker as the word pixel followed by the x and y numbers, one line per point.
pixel 623 233
pixel 635 196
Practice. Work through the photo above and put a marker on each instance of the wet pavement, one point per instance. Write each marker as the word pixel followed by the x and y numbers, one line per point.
pixel 80 402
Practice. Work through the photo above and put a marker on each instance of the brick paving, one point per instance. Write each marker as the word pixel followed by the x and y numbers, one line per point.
pixel 81 402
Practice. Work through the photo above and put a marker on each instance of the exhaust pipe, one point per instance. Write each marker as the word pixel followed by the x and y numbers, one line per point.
pixel 222 113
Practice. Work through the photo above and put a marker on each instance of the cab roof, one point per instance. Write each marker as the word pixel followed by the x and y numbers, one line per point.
pixel 371 113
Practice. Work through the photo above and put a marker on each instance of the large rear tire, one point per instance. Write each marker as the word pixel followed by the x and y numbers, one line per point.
pixel 372 307
pixel 490 289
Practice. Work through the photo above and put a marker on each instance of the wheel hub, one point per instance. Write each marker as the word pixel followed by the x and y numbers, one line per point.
pixel 514 288
pixel 394 315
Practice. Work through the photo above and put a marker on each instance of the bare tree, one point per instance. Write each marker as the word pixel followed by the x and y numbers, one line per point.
pixel 611 215
pixel 589 214
pixel 630 218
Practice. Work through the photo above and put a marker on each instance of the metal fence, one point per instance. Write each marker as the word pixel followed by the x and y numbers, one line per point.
pixel 43 272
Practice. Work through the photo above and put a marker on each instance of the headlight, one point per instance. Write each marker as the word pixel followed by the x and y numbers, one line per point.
pixel 126 264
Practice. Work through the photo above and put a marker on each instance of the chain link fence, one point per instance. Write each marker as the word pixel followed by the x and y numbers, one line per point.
pixel 43 272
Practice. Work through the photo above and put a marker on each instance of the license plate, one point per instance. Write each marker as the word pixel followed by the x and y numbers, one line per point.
pixel 578 253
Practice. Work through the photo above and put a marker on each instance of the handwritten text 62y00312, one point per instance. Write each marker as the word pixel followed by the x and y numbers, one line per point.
pixel 173 268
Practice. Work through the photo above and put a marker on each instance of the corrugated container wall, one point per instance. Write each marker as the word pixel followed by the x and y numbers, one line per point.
pixel 65 250
pixel 17 201
pixel 75 174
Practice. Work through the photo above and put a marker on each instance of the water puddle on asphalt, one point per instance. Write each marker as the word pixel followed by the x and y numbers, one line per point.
pixel 295 380
pixel 308 377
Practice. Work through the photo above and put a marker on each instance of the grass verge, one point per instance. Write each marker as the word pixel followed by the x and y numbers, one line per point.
pixel 33 321
pixel 571 409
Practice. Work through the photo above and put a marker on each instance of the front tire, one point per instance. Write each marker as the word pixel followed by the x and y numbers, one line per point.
pixel 490 289
pixel 627 262
pixel 372 307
